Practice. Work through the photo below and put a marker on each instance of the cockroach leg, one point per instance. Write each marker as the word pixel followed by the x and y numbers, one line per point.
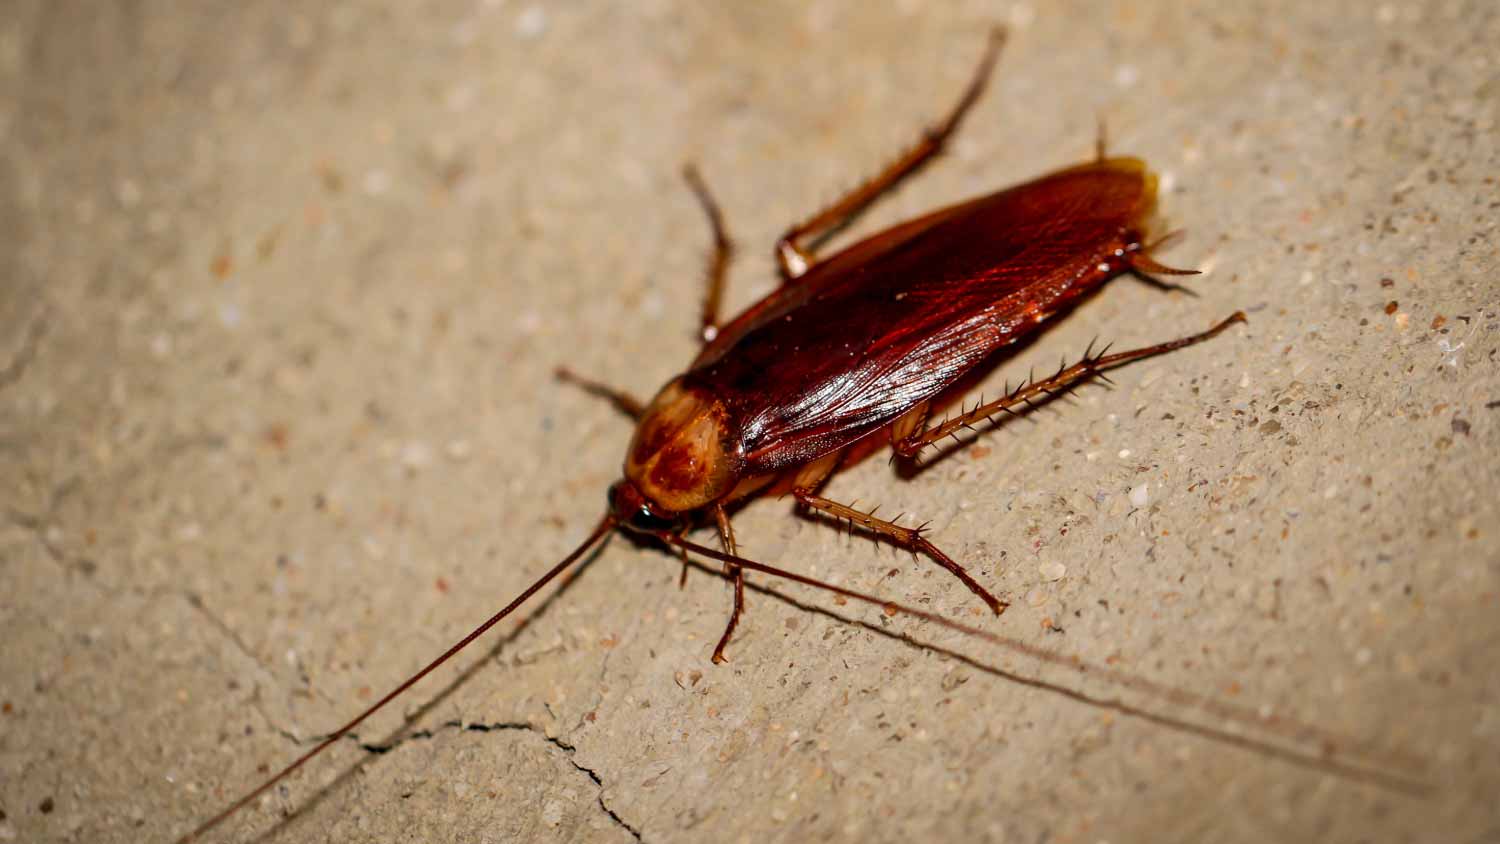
pixel 915 420
pixel 808 478
pixel 686 564
pixel 1091 366
pixel 1101 138
pixel 726 539
pixel 909 538
pixel 623 401
pixel 718 260
pixel 795 259
pixel 1146 268
pixel 1143 263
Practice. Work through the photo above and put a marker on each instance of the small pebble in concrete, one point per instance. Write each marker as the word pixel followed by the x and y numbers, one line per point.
pixel 1140 495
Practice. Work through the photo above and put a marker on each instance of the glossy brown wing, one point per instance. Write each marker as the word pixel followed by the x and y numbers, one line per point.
pixel 890 322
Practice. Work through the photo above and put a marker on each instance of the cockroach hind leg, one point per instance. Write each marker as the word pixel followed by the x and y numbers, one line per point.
pixel 718 260
pixel 795 257
pixel 1032 391
pixel 912 539
pixel 1103 362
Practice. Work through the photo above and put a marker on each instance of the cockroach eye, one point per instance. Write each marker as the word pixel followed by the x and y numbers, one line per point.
pixel 635 513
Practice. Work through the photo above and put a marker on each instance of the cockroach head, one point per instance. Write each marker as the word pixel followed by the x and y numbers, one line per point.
pixel 682 458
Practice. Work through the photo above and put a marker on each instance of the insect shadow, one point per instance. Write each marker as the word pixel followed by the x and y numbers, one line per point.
pixel 1327 760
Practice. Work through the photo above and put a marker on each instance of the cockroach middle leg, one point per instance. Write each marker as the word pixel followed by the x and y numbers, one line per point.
pixel 909 538
pixel 796 259
pixel 1091 366
pixel 622 400
pixel 718 260
pixel 726 539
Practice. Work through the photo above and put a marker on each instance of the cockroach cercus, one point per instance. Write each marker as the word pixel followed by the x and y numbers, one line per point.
pixel 853 351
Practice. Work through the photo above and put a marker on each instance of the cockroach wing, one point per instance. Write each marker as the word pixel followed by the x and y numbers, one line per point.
pixel 875 330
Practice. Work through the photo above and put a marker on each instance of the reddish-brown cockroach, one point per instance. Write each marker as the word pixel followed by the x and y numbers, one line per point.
pixel 853 351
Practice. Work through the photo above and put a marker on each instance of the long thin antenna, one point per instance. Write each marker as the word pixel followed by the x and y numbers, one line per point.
pixel 605 526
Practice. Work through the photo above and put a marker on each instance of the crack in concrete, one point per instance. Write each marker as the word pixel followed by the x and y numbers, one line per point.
pixel 195 601
pixel 499 726
pixel 25 353
pixel 593 775
pixel 42 525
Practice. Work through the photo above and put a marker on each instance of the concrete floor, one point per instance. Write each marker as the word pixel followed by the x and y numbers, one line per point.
pixel 286 282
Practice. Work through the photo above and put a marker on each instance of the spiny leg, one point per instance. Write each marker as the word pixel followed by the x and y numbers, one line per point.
pixel 1089 367
pixel 718 260
pixel 909 538
pixel 795 260
pixel 623 401
pixel 726 539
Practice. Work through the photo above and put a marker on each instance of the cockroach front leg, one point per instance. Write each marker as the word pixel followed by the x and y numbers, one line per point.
pixel 1091 366
pixel 726 539
pixel 623 401
pixel 718 260
pixel 909 538
pixel 795 258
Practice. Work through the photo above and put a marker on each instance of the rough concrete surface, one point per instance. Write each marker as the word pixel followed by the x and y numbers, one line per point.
pixel 285 284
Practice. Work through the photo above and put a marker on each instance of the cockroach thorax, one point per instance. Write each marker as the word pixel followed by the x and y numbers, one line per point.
pixel 681 458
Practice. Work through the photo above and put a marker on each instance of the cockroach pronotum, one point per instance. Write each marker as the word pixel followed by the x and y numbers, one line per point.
pixel 854 351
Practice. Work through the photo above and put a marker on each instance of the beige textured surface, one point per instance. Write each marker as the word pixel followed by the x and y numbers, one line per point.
pixel 283 284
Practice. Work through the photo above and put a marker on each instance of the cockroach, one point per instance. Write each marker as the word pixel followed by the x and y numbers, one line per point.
pixel 853 351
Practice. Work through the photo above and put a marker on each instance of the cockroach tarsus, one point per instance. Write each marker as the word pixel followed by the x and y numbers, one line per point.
pixel 854 351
